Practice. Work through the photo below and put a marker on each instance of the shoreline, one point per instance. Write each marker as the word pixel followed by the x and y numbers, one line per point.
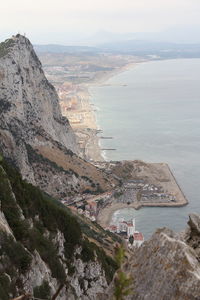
pixel 81 114
pixel 171 186
pixel 109 74
pixel 92 148
pixel 105 215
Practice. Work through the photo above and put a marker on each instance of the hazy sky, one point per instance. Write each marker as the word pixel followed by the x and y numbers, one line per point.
pixel 57 21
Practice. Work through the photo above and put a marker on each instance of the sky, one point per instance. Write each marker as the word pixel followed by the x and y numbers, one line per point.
pixel 65 21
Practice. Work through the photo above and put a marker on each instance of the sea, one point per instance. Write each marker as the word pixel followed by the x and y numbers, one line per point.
pixel 152 111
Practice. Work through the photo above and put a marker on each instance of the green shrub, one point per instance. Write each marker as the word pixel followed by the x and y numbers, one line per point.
pixel 48 253
pixel 122 281
pixel 87 253
pixel 5 47
pixel 18 256
pixel 46 214
pixel 122 285
pixel 43 291
pixel 4 287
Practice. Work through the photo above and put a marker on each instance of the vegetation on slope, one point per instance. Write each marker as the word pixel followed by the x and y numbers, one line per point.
pixel 44 217
pixel 5 47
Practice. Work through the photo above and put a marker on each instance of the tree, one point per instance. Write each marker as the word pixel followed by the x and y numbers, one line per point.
pixel 122 284
pixel 122 281
pixel 131 239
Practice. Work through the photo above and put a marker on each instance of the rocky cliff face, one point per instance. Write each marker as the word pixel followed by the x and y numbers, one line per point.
pixel 167 267
pixel 29 97
pixel 29 105
pixel 32 127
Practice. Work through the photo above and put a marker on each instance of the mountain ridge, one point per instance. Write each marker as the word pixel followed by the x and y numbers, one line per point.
pixel 31 125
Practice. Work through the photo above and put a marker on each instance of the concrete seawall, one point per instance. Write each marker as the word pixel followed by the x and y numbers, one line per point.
pixel 170 184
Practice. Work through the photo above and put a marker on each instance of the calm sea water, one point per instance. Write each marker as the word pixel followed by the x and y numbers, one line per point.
pixel 153 113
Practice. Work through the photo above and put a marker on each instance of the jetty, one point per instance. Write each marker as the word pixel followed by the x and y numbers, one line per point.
pixel 108 149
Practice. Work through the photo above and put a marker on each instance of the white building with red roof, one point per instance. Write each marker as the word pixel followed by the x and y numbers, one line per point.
pixel 128 230
pixel 138 239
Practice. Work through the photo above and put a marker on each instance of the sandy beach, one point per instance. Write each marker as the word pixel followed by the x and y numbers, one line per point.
pixel 105 215
pixel 83 118
pixel 92 147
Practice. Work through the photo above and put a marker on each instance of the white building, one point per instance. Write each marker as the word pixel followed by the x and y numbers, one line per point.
pixel 138 239
pixel 130 228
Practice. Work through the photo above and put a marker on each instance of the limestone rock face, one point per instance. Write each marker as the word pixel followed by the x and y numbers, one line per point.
pixel 194 224
pixel 80 285
pixel 29 107
pixel 27 98
pixel 33 133
pixel 167 266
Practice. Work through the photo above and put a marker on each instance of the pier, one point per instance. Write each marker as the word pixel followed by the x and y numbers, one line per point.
pixel 106 149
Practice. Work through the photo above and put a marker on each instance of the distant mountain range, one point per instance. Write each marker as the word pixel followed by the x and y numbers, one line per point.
pixel 142 48
pixel 53 48
pixel 146 48
pixel 179 35
pixel 179 41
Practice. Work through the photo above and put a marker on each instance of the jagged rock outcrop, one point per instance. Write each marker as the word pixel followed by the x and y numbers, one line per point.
pixel 29 104
pixel 33 133
pixel 167 266
pixel 30 99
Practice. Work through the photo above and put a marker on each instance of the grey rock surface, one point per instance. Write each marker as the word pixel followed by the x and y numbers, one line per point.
pixel 29 107
pixel 167 267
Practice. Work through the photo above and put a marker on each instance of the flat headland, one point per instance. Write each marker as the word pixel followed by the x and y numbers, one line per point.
pixel 142 185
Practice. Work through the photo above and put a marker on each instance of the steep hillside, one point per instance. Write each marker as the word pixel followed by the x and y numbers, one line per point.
pixel 33 133
pixel 44 249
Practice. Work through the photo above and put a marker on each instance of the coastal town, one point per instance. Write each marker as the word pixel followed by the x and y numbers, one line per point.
pixel 125 229
pixel 134 192
pixel 140 184
pixel 72 76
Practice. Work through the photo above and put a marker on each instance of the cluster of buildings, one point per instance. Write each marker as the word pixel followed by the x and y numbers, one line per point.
pixel 87 209
pixel 127 230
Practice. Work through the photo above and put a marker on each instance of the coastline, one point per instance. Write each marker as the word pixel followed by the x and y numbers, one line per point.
pixel 92 146
pixel 105 76
pixel 105 215
pixel 91 142
pixel 75 102
pixel 168 183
